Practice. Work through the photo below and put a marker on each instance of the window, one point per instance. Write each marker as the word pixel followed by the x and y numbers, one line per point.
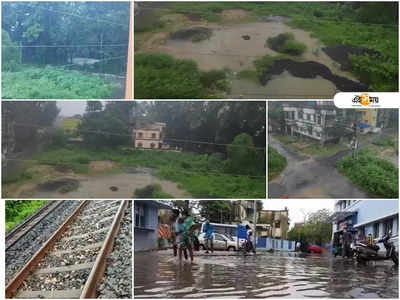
pixel 140 216
pixel 153 136
pixel 219 237
pixel 319 119
pixel 152 145
pixel 308 117
pixel 387 226
pixel 300 115
pixel 278 224
pixel 140 145
pixel 140 134
pixel 376 230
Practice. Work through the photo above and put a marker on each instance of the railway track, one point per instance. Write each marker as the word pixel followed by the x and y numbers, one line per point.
pixel 18 232
pixel 72 261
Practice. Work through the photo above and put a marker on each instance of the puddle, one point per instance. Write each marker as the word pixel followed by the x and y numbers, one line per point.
pixel 121 185
pixel 237 46
pixel 284 85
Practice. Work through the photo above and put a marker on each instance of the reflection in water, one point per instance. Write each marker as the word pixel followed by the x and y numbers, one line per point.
pixel 269 275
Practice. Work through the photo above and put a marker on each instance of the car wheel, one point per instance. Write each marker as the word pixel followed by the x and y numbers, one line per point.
pixel 201 247
pixel 231 248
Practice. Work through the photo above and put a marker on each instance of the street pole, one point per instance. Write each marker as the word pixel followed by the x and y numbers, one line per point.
pixel 255 224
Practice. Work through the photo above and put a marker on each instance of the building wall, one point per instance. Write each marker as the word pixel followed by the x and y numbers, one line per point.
pixel 370 212
pixel 146 144
pixel 146 235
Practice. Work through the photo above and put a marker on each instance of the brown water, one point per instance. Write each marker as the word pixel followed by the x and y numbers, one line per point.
pixel 99 186
pixel 159 275
pixel 227 49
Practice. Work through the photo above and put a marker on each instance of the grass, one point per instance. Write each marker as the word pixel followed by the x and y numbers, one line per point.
pixel 53 83
pixel 276 163
pixel 286 43
pixel 308 147
pixel 377 176
pixel 160 76
pixel 18 210
pixel 332 23
pixel 201 175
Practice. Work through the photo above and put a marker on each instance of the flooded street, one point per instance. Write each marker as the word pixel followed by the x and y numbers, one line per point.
pixel 307 177
pixel 159 275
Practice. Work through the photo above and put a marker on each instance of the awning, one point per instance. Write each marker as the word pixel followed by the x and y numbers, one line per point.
pixel 341 215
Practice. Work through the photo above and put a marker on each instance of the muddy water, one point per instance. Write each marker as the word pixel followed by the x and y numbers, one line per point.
pixel 158 275
pixel 283 86
pixel 227 49
pixel 126 184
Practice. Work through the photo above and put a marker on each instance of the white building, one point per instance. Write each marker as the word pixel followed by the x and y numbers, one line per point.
pixel 310 119
pixel 149 135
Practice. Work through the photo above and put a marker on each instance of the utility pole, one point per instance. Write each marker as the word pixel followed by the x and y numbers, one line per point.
pixel 255 224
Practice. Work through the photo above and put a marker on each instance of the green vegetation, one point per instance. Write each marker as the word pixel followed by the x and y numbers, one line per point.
pixel 52 83
pixel 317 228
pixel 202 176
pixel 160 76
pixel 18 210
pixel 152 191
pixel 286 43
pixel 377 176
pixel 276 163
pixel 309 147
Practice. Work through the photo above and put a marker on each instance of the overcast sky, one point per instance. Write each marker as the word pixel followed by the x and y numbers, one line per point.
pixel 70 108
pixel 297 208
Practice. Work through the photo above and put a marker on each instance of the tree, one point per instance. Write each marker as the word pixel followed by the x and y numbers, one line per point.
pixel 217 211
pixel 317 229
pixel 243 157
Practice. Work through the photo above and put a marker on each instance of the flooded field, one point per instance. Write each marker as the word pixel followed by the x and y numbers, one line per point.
pixel 159 275
pixel 118 185
pixel 235 46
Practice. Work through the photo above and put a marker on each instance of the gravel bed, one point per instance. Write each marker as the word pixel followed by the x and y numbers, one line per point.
pixel 98 208
pixel 67 259
pixel 117 282
pixel 56 281
pixel 20 253
pixel 79 243
pixel 85 227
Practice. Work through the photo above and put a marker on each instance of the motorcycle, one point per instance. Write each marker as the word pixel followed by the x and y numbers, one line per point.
pixel 364 252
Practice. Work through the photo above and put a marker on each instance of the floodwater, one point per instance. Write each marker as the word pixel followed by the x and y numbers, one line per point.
pixel 159 275
pixel 227 48
pixel 99 186
pixel 284 85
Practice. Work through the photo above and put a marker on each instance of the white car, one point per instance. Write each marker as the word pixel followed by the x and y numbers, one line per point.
pixel 221 242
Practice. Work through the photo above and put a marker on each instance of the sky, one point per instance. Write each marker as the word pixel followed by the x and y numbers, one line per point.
pixel 297 208
pixel 70 108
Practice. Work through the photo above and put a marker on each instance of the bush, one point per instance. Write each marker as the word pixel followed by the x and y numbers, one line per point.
pixel 161 76
pixel 18 210
pixel 285 43
pixel 243 157
pixel 53 83
pixel 151 191
pixel 9 53
pixel 377 176
pixel 276 163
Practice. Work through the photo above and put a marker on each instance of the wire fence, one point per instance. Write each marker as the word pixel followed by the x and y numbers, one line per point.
pixel 108 133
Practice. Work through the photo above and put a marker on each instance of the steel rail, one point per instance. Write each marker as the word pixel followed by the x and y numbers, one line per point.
pixel 23 274
pixel 97 272
pixel 36 218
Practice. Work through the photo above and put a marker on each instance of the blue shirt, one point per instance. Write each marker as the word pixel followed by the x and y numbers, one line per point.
pixel 209 230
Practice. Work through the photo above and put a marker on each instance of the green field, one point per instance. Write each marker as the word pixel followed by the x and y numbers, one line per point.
pixel 276 163
pixel 201 175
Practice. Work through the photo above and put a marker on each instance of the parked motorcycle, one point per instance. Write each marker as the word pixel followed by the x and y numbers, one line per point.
pixel 364 252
